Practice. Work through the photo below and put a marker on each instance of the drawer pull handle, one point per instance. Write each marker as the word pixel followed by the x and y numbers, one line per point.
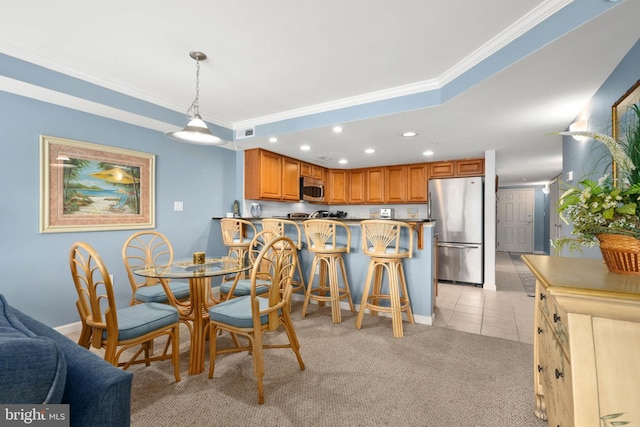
pixel 556 318
pixel 540 368
pixel 559 374
pixel 540 330
pixel 542 296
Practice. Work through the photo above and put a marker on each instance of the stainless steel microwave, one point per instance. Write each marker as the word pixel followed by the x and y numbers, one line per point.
pixel 311 189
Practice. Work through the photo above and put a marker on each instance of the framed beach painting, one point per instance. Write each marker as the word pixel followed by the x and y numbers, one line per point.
pixel 623 116
pixel 91 187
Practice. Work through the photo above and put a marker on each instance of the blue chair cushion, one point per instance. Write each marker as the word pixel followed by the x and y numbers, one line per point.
pixel 140 319
pixel 237 312
pixel 156 293
pixel 244 287
pixel 390 250
pixel 33 369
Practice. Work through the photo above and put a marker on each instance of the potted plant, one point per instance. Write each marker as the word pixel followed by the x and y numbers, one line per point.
pixel 608 210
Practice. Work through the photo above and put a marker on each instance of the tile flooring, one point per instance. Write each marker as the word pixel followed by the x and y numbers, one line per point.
pixel 504 313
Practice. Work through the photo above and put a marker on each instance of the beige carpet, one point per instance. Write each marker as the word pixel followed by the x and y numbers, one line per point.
pixel 431 377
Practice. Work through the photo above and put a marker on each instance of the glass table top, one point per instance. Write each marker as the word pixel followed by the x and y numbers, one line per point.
pixel 185 268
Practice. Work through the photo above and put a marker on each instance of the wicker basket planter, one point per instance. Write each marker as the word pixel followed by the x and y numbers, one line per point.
pixel 621 253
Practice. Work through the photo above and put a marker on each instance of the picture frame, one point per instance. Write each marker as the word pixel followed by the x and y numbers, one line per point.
pixel 618 115
pixel 92 187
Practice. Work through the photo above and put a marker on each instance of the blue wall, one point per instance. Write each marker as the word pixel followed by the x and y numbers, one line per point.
pixel 578 156
pixel 35 268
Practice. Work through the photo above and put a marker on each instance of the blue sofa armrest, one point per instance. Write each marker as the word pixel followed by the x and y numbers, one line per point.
pixel 98 393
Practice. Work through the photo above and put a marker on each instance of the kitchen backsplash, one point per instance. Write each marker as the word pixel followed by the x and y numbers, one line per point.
pixel 270 209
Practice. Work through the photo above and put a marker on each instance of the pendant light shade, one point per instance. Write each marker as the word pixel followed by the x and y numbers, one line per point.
pixel 196 131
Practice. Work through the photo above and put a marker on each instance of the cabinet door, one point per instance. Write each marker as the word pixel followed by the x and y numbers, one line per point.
pixel 317 172
pixel 290 179
pixel 442 170
pixel 375 185
pixel 356 186
pixel 305 169
pixel 417 181
pixel 470 167
pixel 396 184
pixel 338 180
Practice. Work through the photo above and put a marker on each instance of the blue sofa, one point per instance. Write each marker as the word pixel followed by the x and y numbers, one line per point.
pixel 41 366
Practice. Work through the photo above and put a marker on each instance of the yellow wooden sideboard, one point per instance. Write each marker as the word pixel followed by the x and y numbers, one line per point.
pixel 586 343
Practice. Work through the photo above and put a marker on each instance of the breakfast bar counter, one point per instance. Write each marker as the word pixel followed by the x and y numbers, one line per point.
pixel 420 270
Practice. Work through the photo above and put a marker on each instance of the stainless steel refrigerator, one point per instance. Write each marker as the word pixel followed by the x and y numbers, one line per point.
pixel 457 205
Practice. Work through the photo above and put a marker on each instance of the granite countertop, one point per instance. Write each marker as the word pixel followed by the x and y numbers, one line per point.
pixel 348 219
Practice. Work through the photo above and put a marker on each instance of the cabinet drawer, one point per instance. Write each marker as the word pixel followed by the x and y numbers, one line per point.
pixel 555 375
pixel 556 316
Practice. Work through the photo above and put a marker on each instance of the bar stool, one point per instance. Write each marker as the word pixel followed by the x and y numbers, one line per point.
pixel 381 241
pixel 236 238
pixel 321 240
pixel 278 226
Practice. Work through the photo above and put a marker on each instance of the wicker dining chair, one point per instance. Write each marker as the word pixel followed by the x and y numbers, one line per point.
pixel 279 227
pixel 150 247
pixel 254 315
pixel 117 330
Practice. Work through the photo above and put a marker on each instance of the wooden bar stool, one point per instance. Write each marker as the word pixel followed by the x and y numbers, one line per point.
pixel 278 226
pixel 381 240
pixel 236 238
pixel 321 240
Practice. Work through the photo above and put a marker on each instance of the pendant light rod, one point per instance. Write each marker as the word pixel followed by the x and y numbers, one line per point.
pixel 196 131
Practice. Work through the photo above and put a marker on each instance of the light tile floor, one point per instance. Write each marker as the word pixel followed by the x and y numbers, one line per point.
pixel 504 313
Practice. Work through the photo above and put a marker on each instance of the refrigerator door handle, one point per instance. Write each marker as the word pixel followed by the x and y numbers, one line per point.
pixel 449 245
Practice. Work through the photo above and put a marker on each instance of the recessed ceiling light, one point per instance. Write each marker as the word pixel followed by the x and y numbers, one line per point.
pixel 305 147
pixel 337 129
pixel 273 139
pixel 369 151
pixel 409 134
pixel 343 161
pixel 428 153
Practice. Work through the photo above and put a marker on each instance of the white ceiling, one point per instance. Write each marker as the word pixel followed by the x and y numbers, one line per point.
pixel 287 59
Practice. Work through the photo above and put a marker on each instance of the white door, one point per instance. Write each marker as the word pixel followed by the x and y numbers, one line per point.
pixel 515 220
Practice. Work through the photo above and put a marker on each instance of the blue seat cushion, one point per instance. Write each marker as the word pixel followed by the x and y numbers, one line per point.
pixel 140 319
pixel 390 250
pixel 244 287
pixel 156 293
pixel 237 312
pixel 32 368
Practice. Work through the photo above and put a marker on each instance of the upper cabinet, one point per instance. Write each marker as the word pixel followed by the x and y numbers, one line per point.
pixel 453 168
pixel 270 176
pixel 395 188
pixel 337 187
pixel 312 171
pixel 375 183
pixel 417 181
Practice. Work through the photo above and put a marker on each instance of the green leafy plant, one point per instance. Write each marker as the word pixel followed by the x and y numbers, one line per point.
pixel 606 205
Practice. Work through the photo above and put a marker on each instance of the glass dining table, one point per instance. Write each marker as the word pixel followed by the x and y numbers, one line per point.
pixel 196 310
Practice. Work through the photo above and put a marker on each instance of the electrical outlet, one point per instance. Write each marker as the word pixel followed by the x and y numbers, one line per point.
pixel 569 176
pixel 178 206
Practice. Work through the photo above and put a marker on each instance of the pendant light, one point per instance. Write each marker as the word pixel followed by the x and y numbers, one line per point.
pixel 196 131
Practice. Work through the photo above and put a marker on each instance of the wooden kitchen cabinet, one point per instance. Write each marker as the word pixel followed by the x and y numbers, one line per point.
pixel 586 343
pixel 357 186
pixel 417 182
pixel 290 179
pixel 270 176
pixel 396 184
pixel 312 171
pixel 374 185
pixel 454 168
pixel 337 188
pixel 469 167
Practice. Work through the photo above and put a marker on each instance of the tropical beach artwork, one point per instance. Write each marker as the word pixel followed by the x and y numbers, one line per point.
pixel 97 188
pixel 91 187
